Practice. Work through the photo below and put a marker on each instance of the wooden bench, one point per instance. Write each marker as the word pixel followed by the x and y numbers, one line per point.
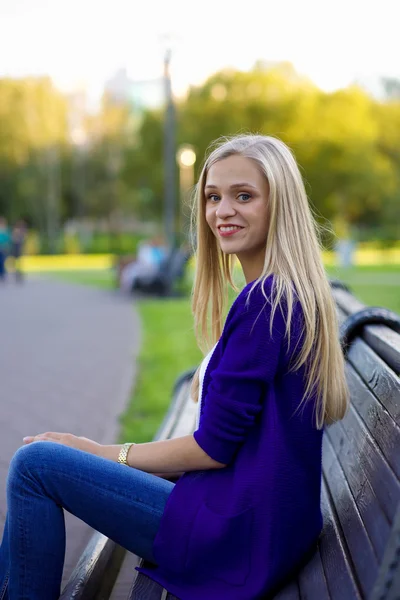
pixel 358 555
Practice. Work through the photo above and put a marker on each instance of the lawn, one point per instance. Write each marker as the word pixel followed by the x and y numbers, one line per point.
pixel 169 346
pixel 102 279
pixel 375 286
pixel 168 349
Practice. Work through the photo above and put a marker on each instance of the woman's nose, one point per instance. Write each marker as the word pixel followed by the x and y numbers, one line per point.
pixel 225 209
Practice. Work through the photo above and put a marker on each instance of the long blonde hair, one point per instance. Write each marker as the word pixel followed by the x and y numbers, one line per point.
pixel 292 255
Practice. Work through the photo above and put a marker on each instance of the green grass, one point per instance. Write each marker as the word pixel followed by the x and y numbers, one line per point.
pixel 168 349
pixel 100 279
pixel 375 286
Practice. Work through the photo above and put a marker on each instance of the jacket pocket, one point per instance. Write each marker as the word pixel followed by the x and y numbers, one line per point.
pixel 220 546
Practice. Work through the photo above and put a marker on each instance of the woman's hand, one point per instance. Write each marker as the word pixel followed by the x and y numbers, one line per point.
pixel 67 439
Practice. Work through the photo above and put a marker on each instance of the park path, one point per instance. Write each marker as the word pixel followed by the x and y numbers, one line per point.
pixel 67 357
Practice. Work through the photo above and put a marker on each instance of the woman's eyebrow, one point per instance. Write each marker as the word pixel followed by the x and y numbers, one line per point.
pixel 232 187
pixel 242 185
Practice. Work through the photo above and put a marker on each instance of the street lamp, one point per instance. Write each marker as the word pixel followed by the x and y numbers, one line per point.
pixel 169 154
pixel 79 141
pixel 186 158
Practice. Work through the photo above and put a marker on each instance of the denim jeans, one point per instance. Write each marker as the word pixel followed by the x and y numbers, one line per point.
pixel 123 503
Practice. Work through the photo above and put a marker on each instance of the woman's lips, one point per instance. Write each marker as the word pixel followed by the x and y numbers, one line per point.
pixel 228 230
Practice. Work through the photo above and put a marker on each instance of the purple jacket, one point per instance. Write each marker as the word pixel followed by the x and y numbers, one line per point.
pixel 237 533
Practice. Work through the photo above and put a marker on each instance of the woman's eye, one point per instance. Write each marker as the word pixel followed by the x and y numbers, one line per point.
pixel 244 197
pixel 213 197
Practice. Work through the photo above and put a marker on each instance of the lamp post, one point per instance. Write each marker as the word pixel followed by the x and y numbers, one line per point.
pixel 79 143
pixel 53 196
pixel 169 155
pixel 186 159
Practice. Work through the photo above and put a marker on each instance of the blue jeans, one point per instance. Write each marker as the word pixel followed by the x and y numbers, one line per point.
pixel 123 503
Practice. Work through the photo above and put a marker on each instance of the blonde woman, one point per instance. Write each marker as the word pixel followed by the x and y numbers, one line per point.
pixel 244 513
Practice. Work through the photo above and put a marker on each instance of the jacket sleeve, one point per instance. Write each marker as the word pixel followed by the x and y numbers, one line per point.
pixel 238 385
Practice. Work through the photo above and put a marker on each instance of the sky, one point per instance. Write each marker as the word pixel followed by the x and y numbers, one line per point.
pixel 83 42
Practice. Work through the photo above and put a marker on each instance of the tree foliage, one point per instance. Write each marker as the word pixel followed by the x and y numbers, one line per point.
pixel 347 145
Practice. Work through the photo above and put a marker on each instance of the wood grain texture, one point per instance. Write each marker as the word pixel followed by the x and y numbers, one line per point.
pixel 363 557
pixel 387 586
pixel 383 340
pixel 86 578
pixel 146 589
pixel 379 378
pixel 335 558
pixel 376 419
pixel 371 512
pixel 370 459
pixel 386 343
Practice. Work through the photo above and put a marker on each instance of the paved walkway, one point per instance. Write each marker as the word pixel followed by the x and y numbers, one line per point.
pixel 67 358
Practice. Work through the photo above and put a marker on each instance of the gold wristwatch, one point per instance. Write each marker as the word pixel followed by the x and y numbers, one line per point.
pixel 123 453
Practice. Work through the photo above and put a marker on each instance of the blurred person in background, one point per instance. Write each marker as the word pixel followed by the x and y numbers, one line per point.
pixel 5 241
pixel 18 235
pixel 151 254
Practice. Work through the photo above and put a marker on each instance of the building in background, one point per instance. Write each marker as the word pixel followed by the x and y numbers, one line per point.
pixel 142 95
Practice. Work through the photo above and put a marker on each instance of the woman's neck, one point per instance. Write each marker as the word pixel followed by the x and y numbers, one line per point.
pixel 252 266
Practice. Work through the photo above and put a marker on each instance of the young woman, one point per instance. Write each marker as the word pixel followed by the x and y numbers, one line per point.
pixel 245 513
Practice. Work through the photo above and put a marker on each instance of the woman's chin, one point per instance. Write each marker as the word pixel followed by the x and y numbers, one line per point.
pixel 228 248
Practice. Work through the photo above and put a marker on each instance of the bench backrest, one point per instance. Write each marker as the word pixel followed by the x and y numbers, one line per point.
pixel 174 266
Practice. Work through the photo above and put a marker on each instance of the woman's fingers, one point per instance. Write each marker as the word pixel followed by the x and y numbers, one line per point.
pixel 49 436
pixel 67 439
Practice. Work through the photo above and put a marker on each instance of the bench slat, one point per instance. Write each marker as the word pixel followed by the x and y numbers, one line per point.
pixel 383 340
pixel 386 343
pixel 87 577
pixel 312 581
pixel 376 419
pixel 145 588
pixel 371 512
pixel 357 540
pixel 379 378
pixel 370 459
pixel 336 564
pixel 387 585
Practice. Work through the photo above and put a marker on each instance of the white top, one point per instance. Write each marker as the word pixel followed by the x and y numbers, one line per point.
pixel 203 369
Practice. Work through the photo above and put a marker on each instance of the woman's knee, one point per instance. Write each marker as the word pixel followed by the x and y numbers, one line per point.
pixel 29 457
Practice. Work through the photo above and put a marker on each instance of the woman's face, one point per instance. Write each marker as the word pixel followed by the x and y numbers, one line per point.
pixel 236 194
